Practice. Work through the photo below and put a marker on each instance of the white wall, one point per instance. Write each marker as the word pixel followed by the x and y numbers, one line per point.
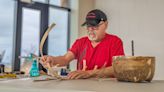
pixel 141 21
pixel 85 7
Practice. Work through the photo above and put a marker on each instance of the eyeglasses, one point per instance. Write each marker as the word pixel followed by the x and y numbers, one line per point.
pixel 93 27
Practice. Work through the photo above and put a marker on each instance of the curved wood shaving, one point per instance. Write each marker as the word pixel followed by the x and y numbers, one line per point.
pixel 41 50
pixel 44 38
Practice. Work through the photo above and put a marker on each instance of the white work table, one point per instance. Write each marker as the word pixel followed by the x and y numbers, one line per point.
pixel 83 85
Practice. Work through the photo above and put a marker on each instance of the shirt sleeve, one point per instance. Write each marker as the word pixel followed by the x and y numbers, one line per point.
pixel 75 48
pixel 117 48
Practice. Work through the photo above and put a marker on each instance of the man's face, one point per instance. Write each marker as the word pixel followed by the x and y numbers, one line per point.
pixel 96 33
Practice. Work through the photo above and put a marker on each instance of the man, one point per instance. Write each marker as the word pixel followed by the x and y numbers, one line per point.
pixel 94 53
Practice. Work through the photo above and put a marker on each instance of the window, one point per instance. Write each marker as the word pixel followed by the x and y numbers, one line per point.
pixel 7 29
pixel 62 3
pixel 22 29
pixel 32 21
pixel 30 32
pixel 58 37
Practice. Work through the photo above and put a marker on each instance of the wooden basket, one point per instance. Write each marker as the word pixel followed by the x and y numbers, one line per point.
pixel 134 68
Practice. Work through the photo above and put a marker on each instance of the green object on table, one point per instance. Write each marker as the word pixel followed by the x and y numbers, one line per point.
pixel 34 69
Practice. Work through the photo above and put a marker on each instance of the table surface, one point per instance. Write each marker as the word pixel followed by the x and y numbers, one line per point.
pixel 81 85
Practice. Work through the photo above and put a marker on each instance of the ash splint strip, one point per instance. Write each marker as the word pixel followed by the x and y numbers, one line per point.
pixel 41 51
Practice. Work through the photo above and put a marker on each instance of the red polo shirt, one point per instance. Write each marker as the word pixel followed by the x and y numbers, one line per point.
pixel 110 46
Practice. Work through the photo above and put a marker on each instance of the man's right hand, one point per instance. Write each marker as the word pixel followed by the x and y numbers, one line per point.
pixel 45 60
pixel 57 60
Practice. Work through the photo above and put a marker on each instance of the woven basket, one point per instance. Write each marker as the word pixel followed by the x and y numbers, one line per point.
pixel 134 68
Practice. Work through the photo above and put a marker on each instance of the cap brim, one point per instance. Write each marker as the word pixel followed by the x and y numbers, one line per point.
pixel 91 23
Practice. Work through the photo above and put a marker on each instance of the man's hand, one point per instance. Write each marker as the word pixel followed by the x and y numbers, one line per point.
pixel 47 60
pixel 96 73
pixel 57 60
pixel 79 74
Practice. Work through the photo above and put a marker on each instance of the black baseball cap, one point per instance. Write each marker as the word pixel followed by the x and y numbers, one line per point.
pixel 94 17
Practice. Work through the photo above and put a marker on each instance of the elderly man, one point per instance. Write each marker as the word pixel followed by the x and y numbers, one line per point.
pixel 94 53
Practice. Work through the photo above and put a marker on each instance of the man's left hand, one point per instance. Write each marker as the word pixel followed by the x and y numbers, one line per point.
pixel 78 75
